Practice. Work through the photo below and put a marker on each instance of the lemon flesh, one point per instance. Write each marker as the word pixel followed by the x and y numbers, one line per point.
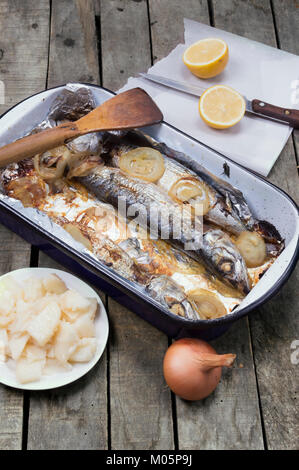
pixel 206 58
pixel 221 107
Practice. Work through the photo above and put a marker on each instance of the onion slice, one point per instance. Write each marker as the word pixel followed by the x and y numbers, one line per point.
pixel 50 165
pixel 77 234
pixel 81 165
pixel 193 191
pixel 253 248
pixel 206 303
pixel 144 163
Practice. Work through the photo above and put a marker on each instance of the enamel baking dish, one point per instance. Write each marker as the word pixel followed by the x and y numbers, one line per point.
pixel 266 201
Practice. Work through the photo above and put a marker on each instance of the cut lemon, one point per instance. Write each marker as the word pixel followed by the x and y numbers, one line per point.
pixel 206 58
pixel 221 107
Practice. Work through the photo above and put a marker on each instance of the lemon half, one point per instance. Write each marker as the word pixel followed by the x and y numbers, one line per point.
pixel 206 58
pixel 221 106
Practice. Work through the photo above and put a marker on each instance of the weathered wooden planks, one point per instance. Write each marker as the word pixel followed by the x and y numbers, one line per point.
pixel 166 20
pixel 14 254
pixel 251 19
pixel 140 400
pixel 229 419
pixel 287 19
pixel 76 416
pixel 72 417
pixel 140 403
pixel 275 326
pixel 73 43
pixel 24 29
pixel 124 39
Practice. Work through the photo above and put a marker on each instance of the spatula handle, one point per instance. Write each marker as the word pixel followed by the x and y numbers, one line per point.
pixel 37 143
pixel 291 116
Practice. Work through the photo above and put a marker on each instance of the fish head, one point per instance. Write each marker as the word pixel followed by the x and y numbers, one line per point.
pixel 166 291
pixel 224 258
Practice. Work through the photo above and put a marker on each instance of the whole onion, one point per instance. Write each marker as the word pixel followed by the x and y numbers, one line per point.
pixel 192 368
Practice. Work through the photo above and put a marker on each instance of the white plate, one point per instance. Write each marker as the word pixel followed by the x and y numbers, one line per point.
pixel 7 370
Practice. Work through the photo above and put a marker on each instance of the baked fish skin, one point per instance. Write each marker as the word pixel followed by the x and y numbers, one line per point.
pixel 164 216
pixel 177 165
pixel 231 210
pixel 167 292
pixel 15 182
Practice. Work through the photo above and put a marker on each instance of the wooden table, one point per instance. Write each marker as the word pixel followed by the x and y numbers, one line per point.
pixel 124 402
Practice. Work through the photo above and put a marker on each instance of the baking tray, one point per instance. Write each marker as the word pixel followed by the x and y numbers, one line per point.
pixel 267 202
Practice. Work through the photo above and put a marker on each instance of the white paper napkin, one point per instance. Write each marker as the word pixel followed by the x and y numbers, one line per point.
pixel 255 70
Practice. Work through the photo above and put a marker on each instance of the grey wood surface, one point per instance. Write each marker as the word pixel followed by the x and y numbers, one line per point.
pixel 275 325
pixel 136 348
pixel 212 424
pixel 76 415
pixel 22 48
pixel 123 403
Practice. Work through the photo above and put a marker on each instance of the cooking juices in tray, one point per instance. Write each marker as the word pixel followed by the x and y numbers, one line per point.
pixel 159 219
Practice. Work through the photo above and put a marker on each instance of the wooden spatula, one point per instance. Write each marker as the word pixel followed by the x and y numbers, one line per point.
pixel 131 109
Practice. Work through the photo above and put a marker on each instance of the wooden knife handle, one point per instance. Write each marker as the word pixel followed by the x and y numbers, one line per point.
pixel 37 143
pixel 291 116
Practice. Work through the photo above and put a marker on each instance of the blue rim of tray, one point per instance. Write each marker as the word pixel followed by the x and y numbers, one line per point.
pixel 229 318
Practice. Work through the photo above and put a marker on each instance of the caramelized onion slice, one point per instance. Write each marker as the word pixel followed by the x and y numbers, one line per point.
pixel 76 233
pixel 144 163
pixel 50 165
pixel 194 192
pixel 252 247
pixel 82 165
pixel 30 190
pixel 206 303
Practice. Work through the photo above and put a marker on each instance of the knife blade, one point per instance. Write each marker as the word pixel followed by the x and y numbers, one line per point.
pixel 256 107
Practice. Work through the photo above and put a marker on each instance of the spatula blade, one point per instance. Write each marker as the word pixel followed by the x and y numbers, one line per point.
pixel 130 109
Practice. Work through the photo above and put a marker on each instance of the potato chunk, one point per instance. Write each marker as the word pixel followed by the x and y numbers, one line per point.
pixel 73 305
pixel 66 342
pixel 7 303
pixel 28 371
pixel 44 325
pixel 72 301
pixel 53 366
pixel 84 326
pixel 17 344
pixel 3 345
pixel 54 285
pixel 85 351
pixel 33 289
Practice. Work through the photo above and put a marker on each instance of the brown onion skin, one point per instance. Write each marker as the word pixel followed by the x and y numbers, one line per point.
pixel 192 368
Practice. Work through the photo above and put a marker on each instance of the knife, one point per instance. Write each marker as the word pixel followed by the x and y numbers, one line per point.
pixel 255 106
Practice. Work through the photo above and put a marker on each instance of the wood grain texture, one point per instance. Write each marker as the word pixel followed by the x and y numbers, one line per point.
pixel 125 40
pixel 74 416
pixel 167 22
pixel 274 326
pixel 213 424
pixel 24 30
pixel 249 18
pixel 73 43
pixel 140 404
pixel 287 19
pixel 24 33
pixel 229 419
pixel 14 254
pixel 286 15
pixel 140 400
